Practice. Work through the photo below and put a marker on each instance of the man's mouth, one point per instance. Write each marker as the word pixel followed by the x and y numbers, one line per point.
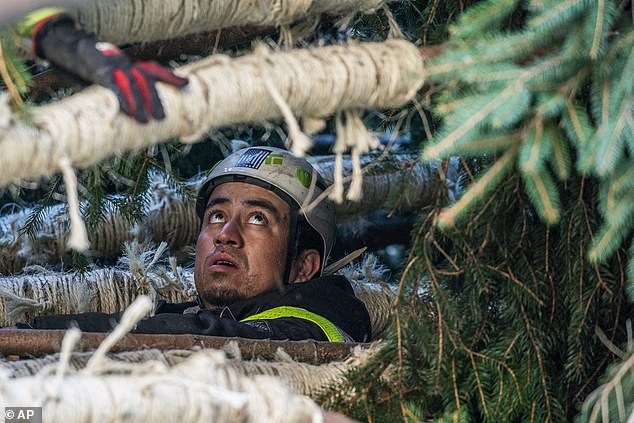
pixel 222 262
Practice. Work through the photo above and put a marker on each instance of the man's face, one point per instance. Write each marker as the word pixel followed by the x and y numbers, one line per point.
pixel 241 248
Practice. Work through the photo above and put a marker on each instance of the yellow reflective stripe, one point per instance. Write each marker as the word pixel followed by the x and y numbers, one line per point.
pixel 25 27
pixel 332 333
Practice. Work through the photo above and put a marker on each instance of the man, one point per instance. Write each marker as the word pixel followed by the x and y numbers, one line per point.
pixel 260 256
pixel 56 39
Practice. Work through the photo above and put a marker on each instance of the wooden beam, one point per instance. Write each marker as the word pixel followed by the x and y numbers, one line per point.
pixel 23 342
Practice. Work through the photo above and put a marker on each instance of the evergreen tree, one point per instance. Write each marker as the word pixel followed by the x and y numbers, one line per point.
pixel 513 300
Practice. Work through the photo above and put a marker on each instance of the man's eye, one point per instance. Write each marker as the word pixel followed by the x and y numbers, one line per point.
pixel 257 219
pixel 216 217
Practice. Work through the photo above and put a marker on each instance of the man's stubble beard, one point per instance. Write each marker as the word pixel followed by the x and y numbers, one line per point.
pixel 217 293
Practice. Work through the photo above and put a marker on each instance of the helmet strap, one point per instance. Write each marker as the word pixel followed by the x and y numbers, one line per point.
pixel 291 249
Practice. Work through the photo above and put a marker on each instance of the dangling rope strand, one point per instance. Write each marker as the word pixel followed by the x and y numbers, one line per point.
pixel 299 142
pixel 71 338
pixel 395 29
pixel 78 239
pixel 339 149
pixel 137 310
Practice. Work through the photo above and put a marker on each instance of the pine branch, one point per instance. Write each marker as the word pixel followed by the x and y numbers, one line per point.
pixel 34 222
pixel 600 20
pixel 449 217
pixel 535 149
pixel 542 191
pixel 556 13
pixel 610 140
pixel 12 71
pixel 561 159
pixel 483 17
pixel 439 149
pixel 486 144
pixel 608 400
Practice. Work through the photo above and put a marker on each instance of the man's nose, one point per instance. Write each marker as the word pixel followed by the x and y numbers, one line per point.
pixel 230 234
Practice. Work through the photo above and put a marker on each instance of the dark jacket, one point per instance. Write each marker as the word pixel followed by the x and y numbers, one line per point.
pixel 323 309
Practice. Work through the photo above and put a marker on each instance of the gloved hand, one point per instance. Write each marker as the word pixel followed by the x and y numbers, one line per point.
pixel 57 40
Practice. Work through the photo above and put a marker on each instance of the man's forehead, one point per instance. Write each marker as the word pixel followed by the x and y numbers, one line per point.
pixel 247 194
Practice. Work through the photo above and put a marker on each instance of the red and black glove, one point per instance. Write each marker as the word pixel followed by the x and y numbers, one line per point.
pixel 57 40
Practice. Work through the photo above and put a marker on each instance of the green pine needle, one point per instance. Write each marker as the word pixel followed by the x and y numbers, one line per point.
pixel 579 129
pixel 560 158
pixel 630 271
pixel 623 177
pixel 501 47
pixel 493 49
pixel 486 76
pixel 483 17
pixel 550 105
pixel 606 243
pixel 477 191
pixel 454 416
pixel 578 125
pixel 535 149
pixel 542 191
pixel 550 71
pixel 598 25
pixel 467 128
pixel 555 14
pixel 35 220
pixel 487 144
pixel 621 210
pixel 625 86
pixel 610 141
pixel 511 111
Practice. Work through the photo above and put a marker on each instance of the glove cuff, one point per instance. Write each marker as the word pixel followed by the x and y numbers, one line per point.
pixel 45 26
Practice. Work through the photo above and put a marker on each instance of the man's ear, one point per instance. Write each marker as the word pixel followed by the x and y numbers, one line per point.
pixel 305 266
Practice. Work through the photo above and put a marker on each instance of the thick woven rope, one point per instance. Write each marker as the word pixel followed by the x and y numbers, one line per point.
pixel 200 388
pixel 315 83
pixel 126 21
pixel 302 378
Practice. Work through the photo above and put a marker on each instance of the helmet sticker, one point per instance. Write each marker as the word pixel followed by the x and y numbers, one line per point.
pixel 276 159
pixel 303 177
pixel 252 158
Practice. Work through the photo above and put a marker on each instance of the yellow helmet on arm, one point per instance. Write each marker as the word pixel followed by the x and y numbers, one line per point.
pixel 291 178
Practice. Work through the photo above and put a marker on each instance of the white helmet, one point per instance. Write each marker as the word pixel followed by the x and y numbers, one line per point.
pixel 291 178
